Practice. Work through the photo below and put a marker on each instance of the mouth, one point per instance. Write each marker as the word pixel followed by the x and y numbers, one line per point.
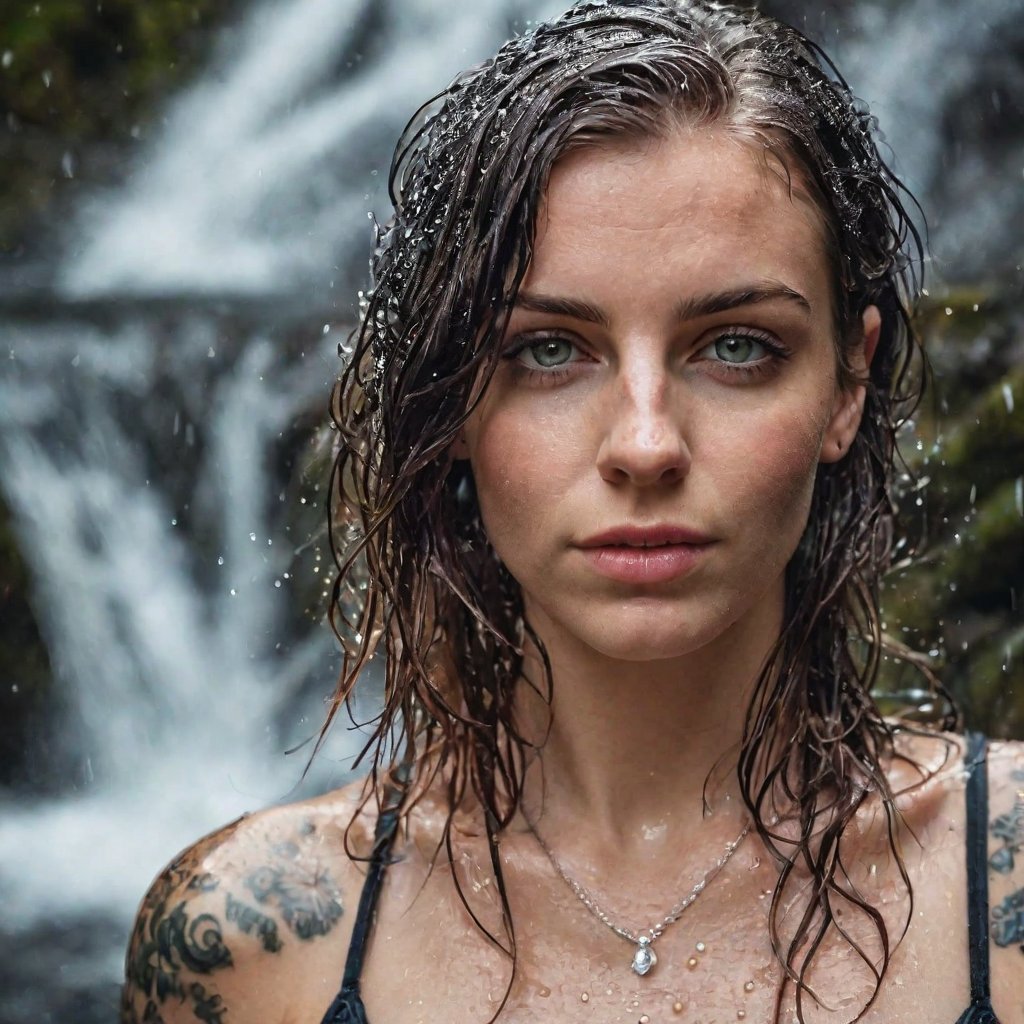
pixel 638 555
pixel 644 537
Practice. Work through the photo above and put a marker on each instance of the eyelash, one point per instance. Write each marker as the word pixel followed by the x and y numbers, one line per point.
pixel 548 377
pixel 776 352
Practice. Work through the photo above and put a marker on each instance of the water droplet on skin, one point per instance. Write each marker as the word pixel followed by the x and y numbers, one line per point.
pixel 677 1007
pixel 748 986
pixel 585 997
pixel 692 962
pixel 700 947
pixel 252 537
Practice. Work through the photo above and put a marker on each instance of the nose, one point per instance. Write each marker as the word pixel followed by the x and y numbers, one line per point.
pixel 643 441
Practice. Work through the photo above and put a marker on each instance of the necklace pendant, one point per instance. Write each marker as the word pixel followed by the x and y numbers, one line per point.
pixel 644 958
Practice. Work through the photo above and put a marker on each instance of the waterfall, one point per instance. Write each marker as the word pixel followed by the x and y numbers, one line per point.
pixel 150 404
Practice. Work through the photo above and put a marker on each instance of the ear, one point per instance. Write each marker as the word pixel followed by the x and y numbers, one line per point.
pixel 849 403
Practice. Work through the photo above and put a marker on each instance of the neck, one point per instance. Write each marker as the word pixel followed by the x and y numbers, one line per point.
pixel 640 754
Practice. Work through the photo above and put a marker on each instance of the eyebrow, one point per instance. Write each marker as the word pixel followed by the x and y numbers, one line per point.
pixel 687 309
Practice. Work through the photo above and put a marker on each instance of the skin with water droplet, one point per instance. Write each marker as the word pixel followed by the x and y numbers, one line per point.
pixel 447 968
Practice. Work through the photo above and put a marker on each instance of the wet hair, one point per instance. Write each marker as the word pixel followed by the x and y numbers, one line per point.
pixel 417 575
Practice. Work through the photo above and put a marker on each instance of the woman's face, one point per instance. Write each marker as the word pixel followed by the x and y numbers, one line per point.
pixel 645 453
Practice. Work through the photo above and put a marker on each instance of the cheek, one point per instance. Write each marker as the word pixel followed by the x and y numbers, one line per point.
pixel 522 468
pixel 772 479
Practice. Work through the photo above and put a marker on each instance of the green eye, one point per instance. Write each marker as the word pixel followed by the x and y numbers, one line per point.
pixel 738 348
pixel 551 352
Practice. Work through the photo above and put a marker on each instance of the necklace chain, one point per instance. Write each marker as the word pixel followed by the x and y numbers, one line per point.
pixel 643 938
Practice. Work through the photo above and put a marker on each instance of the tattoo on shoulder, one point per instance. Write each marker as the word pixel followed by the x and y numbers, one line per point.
pixel 1007 917
pixel 1008 921
pixel 1009 829
pixel 304 893
pixel 251 921
pixel 168 943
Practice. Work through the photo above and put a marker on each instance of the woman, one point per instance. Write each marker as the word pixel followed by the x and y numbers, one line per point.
pixel 616 442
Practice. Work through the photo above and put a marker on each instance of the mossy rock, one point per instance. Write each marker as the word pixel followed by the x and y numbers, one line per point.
pixel 74 75
pixel 983 447
pixel 26 683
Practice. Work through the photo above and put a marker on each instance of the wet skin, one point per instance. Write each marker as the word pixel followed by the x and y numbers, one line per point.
pixel 623 399
pixel 663 413
pixel 427 962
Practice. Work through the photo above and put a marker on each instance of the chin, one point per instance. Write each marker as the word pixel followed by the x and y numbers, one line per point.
pixel 642 638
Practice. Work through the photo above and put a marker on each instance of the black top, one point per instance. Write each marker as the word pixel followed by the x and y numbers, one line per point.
pixel 348 1008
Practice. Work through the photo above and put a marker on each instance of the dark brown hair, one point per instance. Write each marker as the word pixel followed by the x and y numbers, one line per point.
pixel 417 575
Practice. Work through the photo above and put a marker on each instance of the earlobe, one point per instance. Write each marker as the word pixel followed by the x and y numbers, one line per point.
pixel 849 405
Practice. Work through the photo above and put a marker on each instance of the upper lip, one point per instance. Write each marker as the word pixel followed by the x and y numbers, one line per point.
pixel 644 537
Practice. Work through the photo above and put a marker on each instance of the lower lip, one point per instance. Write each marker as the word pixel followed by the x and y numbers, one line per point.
pixel 644 565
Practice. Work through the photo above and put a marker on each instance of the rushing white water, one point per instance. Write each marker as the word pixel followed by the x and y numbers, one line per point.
pixel 138 452
pixel 260 181
pixel 140 432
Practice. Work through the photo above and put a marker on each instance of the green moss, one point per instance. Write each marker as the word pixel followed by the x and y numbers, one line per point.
pixel 961 600
pixel 982 447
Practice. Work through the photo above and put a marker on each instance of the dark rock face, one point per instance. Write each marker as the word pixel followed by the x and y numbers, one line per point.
pixel 25 677
pixel 61 972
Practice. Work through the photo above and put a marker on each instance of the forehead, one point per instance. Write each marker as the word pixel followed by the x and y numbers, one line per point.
pixel 697 211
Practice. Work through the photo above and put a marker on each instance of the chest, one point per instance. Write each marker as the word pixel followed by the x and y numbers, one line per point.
pixel 428 961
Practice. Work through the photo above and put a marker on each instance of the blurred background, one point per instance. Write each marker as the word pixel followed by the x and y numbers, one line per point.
pixel 185 191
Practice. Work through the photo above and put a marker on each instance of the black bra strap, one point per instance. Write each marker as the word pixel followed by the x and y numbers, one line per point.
pixel 977 867
pixel 383 839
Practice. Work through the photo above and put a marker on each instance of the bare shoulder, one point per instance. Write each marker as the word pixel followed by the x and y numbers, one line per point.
pixel 1006 876
pixel 234 928
pixel 938 810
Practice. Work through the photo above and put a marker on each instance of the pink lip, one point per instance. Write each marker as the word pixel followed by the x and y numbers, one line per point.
pixel 655 554
pixel 644 536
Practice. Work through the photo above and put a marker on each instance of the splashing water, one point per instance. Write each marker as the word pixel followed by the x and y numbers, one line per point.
pixel 145 410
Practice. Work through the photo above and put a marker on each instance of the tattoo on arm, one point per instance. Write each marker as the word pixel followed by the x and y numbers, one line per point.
pixel 166 942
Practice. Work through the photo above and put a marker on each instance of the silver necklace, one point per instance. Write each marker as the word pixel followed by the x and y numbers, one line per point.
pixel 644 957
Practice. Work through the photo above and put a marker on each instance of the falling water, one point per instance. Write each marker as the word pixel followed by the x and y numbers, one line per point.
pixel 150 404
